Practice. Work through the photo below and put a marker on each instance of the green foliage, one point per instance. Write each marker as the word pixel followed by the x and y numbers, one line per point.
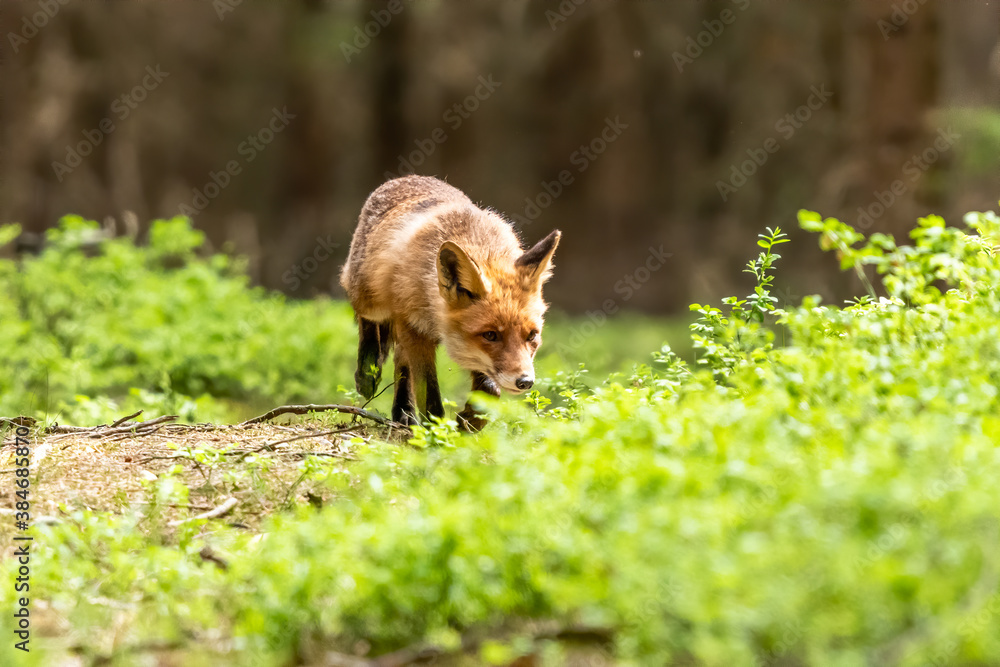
pixel 725 341
pixel 95 320
pixel 829 502
pixel 94 328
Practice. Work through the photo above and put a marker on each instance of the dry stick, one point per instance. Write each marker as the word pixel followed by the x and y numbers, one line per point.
pixel 104 431
pixel 68 430
pixel 154 458
pixel 143 432
pixel 139 427
pixel 330 454
pixel 378 394
pixel 221 510
pixel 18 421
pixel 127 418
pixel 272 445
pixel 306 409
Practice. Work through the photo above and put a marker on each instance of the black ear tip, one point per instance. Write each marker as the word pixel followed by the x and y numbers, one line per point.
pixel 447 254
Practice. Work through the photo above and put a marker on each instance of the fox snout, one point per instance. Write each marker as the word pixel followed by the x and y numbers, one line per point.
pixel 513 361
pixel 517 383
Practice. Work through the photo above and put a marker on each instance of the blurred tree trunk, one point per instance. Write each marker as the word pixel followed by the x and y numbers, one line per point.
pixel 898 44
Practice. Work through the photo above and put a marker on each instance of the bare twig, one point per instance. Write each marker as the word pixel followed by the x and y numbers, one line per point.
pixel 14 422
pixel 154 458
pixel 138 427
pixel 272 445
pixel 126 418
pixel 143 432
pixel 114 429
pixel 391 384
pixel 68 430
pixel 330 454
pixel 306 409
pixel 221 510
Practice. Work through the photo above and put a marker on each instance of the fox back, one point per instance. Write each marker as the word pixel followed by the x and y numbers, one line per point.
pixel 430 266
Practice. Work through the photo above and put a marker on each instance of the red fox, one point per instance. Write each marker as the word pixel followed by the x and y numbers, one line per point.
pixel 428 266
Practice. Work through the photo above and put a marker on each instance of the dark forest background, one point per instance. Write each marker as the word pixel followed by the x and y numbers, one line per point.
pixel 498 98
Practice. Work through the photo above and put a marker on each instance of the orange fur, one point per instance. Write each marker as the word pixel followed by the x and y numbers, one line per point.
pixel 435 268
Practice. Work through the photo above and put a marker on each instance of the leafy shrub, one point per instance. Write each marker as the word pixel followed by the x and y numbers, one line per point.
pixel 829 502
pixel 89 323
pixel 94 328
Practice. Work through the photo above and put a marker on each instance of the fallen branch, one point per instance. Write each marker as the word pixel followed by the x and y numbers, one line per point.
pixel 14 422
pixel 306 409
pixel 334 455
pixel 303 436
pixel 221 510
pixel 129 428
pixel 155 458
pixel 126 418
pixel 104 431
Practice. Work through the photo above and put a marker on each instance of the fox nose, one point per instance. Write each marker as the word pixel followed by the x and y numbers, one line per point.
pixel 524 382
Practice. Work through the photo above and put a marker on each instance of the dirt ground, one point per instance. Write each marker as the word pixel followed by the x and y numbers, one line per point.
pixel 239 472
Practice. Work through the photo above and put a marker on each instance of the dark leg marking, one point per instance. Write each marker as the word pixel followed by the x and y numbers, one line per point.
pixel 403 410
pixel 370 358
pixel 384 341
pixel 435 407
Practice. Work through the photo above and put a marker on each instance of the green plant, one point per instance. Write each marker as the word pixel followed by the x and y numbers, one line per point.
pixel 722 341
pixel 828 502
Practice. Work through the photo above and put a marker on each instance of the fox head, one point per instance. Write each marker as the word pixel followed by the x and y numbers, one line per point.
pixel 493 311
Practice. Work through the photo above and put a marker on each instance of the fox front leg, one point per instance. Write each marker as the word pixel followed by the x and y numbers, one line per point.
pixel 404 408
pixel 370 356
pixel 470 419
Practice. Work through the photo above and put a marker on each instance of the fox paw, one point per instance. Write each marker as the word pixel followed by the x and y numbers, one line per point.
pixel 367 383
pixel 471 422
pixel 405 418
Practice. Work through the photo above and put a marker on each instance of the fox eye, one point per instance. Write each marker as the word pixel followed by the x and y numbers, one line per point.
pixel 532 336
pixel 491 336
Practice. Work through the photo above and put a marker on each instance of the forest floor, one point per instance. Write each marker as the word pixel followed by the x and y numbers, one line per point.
pixel 237 473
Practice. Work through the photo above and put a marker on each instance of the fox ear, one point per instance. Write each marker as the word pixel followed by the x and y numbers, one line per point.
pixel 459 277
pixel 535 265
